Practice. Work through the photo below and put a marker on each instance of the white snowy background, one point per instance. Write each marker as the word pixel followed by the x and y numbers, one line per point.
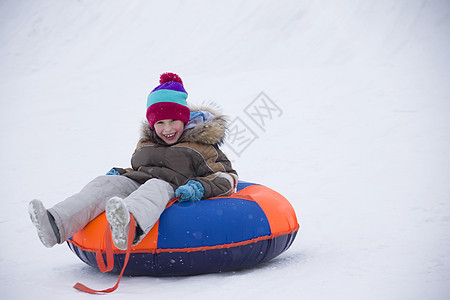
pixel 362 148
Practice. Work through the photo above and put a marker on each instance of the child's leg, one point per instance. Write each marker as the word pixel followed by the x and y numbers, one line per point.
pixel 147 203
pixel 74 213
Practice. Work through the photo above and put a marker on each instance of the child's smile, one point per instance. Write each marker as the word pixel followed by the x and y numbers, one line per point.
pixel 169 130
pixel 169 136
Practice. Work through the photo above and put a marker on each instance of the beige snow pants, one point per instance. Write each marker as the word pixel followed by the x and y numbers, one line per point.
pixel 145 202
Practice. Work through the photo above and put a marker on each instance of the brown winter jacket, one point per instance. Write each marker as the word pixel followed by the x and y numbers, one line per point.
pixel 196 156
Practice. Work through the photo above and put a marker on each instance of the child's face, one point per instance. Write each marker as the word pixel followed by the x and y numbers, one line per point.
pixel 169 130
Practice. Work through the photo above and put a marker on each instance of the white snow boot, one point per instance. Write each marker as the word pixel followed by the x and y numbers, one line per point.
pixel 119 220
pixel 42 221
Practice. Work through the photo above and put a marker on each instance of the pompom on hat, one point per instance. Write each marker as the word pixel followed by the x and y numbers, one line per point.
pixel 168 100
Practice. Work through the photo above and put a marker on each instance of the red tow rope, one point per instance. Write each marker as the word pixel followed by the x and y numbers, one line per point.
pixel 110 260
pixel 110 256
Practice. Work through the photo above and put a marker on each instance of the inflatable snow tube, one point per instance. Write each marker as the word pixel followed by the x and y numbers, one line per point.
pixel 219 234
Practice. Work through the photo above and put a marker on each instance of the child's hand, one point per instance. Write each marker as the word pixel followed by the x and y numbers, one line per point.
pixel 191 191
pixel 113 171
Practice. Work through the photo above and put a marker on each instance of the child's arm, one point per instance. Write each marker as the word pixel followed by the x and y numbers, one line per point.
pixel 221 180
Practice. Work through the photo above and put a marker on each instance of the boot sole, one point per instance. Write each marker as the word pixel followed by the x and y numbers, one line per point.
pixel 38 215
pixel 119 220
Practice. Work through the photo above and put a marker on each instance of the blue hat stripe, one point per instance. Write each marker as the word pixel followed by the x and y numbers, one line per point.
pixel 167 96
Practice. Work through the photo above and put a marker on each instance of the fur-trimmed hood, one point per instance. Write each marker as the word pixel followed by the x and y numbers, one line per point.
pixel 208 128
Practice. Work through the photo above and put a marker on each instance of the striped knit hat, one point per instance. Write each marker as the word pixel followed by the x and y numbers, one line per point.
pixel 168 100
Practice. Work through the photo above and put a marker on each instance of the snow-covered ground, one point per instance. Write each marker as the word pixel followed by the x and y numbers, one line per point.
pixel 359 139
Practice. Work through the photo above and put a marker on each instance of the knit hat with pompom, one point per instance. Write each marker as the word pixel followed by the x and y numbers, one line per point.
pixel 168 100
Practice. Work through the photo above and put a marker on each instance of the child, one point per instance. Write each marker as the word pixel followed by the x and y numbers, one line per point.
pixel 177 155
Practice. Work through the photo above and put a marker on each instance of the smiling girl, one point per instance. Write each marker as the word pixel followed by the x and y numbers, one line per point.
pixel 178 155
